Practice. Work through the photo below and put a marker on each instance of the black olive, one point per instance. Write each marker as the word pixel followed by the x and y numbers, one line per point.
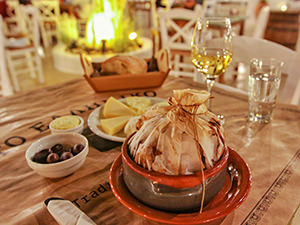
pixel 66 155
pixel 77 148
pixel 41 156
pixel 52 158
pixel 67 148
pixel 58 149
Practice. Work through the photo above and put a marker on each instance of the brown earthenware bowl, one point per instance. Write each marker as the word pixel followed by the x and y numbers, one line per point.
pixel 180 193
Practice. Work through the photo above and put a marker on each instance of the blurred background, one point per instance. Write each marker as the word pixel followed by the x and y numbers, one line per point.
pixel 41 40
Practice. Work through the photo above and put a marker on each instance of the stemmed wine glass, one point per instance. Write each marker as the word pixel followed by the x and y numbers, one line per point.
pixel 212 48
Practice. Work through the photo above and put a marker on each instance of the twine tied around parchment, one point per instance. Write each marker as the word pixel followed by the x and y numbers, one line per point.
pixel 191 116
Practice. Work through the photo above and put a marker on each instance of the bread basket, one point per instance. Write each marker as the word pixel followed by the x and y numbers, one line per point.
pixel 127 81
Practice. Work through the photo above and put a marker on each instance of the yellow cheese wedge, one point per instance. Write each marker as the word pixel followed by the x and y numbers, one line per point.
pixel 113 125
pixel 139 104
pixel 114 108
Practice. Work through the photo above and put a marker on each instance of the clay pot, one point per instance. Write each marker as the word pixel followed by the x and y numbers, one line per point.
pixel 182 193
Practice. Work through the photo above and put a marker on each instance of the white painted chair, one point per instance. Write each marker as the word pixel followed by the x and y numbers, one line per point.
pixel 176 30
pixel 245 48
pixel 22 59
pixel 261 22
pixel 256 26
pixel 6 87
pixel 13 23
pixel 251 17
pixel 48 20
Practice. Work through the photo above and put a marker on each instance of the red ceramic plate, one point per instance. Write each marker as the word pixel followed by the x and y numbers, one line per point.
pixel 232 195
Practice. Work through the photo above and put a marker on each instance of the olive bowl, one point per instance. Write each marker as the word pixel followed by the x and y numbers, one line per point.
pixel 62 168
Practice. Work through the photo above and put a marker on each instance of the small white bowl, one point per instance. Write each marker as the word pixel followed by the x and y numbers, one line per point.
pixel 78 129
pixel 58 169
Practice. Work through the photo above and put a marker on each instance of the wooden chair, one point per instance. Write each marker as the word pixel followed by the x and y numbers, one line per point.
pixel 245 48
pixel 6 87
pixel 17 56
pixel 176 29
pixel 48 20
pixel 13 23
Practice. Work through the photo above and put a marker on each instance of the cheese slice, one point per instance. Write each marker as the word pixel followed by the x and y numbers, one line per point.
pixel 113 125
pixel 115 108
pixel 139 104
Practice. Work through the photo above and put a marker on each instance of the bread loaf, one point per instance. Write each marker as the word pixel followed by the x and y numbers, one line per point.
pixel 124 65
pixel 162 60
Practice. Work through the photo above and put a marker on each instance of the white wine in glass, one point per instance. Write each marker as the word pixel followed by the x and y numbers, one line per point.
pixel 212 48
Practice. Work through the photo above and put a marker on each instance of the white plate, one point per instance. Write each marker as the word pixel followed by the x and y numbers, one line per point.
pixel 96 116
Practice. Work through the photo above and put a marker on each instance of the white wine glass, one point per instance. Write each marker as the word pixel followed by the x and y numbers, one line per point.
pixel 212 48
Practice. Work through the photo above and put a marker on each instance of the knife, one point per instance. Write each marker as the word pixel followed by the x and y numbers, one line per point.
pixel 66 213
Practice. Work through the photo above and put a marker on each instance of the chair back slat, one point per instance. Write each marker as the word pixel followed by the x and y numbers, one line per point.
pixel 14 23
pixel 48 17
pixel 176 30
pixel 30 16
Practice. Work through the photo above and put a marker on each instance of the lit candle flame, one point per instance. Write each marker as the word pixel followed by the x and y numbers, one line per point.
pixel 132 36
pixel 100 27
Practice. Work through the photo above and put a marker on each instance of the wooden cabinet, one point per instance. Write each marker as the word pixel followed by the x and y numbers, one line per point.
pixel 283 28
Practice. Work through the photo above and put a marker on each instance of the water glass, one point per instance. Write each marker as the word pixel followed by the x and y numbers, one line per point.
pixel 264 82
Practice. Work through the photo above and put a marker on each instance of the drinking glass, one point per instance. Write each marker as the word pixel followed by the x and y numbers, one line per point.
pixel 212 48
pixel 264 82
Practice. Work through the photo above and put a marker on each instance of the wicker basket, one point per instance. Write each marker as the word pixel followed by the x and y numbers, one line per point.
pixel 127 81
